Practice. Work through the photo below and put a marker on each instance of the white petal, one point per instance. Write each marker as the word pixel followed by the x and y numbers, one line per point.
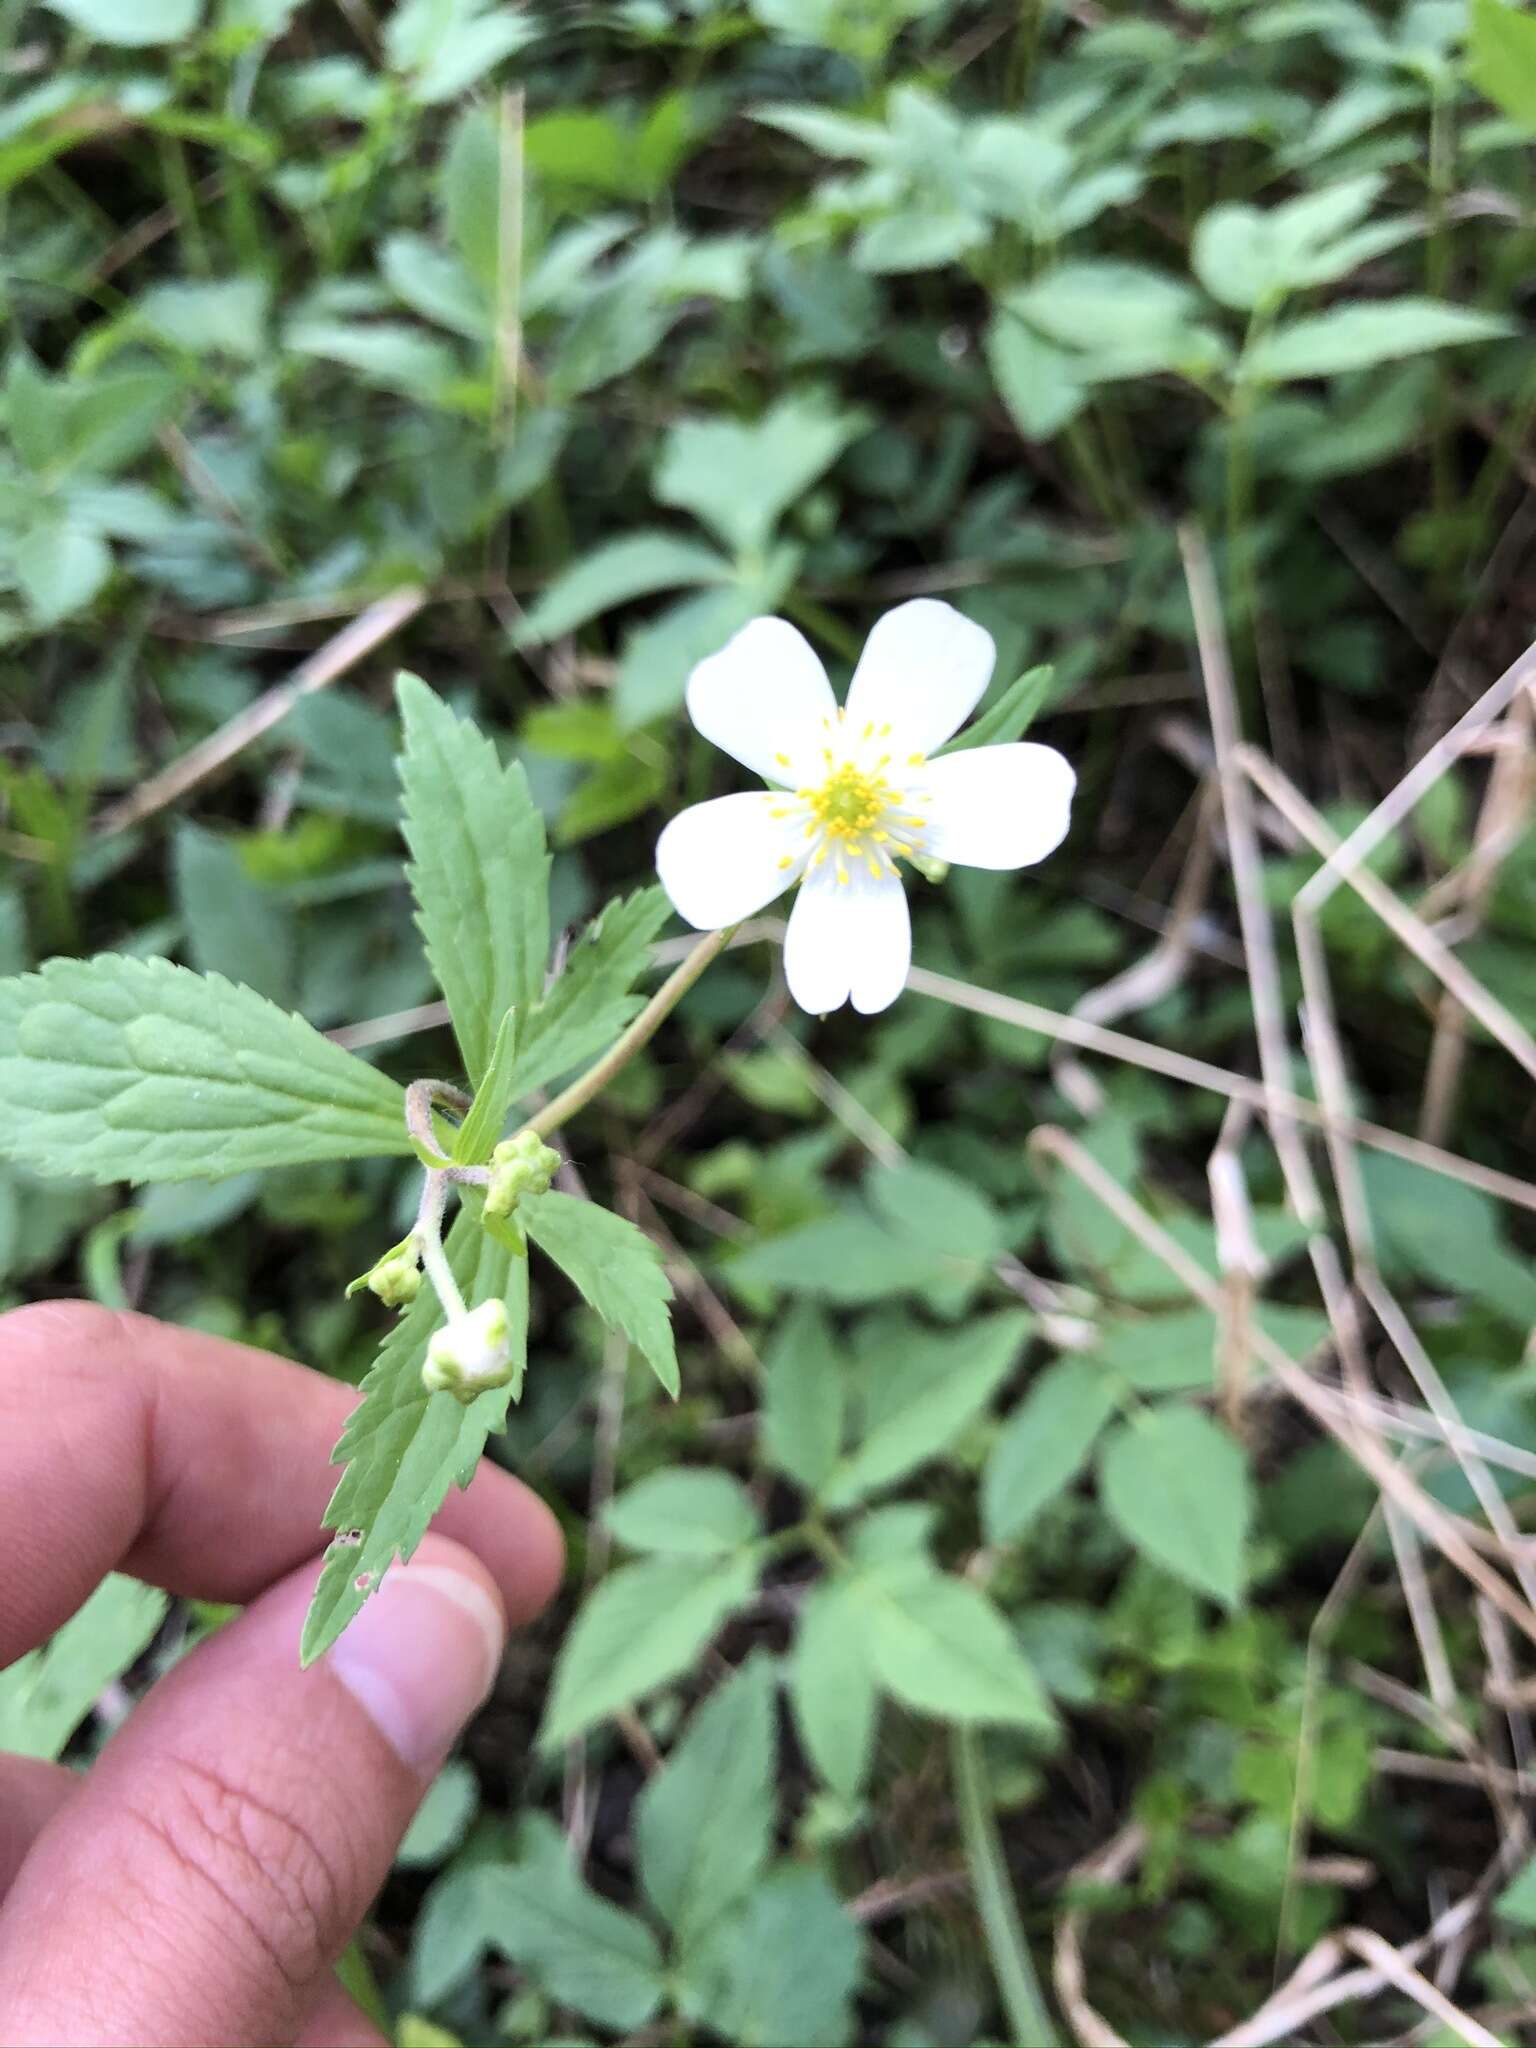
pixel 998 807
pixel 763 699
pixel 922 671
pixel 852 938
pixel 722 861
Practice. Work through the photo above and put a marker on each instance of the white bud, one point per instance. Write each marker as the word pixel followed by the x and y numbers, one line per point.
pixel 470 1353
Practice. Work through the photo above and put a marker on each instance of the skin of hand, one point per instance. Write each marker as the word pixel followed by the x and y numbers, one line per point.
pixel 197 1884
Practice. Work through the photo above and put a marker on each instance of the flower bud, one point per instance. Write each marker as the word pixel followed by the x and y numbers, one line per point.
pixel 520 1166
pixel 470 1353
pixel 395 1279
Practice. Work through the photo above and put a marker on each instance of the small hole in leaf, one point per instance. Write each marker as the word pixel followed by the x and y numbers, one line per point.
pixel 363 1581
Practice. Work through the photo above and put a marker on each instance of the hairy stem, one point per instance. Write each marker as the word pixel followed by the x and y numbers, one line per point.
pixel 428 1235
pixel 1017 1984
pixel 628 1043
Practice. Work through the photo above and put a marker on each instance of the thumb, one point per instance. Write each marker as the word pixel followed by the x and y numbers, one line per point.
pixel 218 1858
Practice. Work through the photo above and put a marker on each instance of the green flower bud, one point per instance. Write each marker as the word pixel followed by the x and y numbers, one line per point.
pixel 469 1354
pixel 395 1278
pixel 396 1281
pixel 520 1166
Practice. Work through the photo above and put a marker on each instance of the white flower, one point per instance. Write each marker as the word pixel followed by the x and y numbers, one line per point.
pixel 856 793
pixel 469 1353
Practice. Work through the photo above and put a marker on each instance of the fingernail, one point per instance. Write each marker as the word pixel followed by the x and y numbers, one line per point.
pixel 422 1656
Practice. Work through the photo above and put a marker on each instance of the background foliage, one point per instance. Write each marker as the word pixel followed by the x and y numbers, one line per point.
pixel 536 351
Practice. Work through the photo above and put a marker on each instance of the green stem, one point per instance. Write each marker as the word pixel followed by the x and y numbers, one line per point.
pixel 623 1049
pixel 1029 2021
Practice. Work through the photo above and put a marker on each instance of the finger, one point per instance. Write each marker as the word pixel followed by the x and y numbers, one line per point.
pixel 335 2022
pixel 219 1856
pixel 199 1465
pixel 31 1793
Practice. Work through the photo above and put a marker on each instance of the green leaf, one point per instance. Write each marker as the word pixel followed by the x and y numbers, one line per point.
pixel 120 1069
pixel 685 1512
pixel 923 1387
pixel 212 316
pixel 403 1448
pixel 583 1951
pixel 477 1136
pixel 1517 1901
pixel 1044 1444
pixel 936 1211
pixel 1452 1235
pixel 131 24
pixel 740 479
pixel 615 574
pixel 833 1687
pixel 442 1819
pixel 704 1824
pixel 234 926
pixel 60 566
pixel 847 1258
pixel 1357 337
pixel 941 1647
pixel 1178 1488
pixel 803 1398
pixel 1037 379
pixel 787 1969
pixel 1501 58
pixel 1011 716
pixel 480 870
pixel 45 1695
pixel 590 1003
pixel 617 1269
pixel 644 1625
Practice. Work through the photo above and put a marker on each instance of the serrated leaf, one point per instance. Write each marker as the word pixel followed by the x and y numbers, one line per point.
pixel 923 1386
pixel 120 1069
pixel 833 1687
pixel 45 1695
pixel 480 870
pixel 404 1448
pixel 704 1824
pixel 617 573
pixel 1044 1444
pixel 804 1397
pixel 685 1512
pixel 1011 716
pixel 590 1003
pixel 644 1624
pixel 1178 1488
pixel 617 1269
pixel 1358 337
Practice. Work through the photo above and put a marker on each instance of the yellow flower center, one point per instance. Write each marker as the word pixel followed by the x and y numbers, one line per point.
pixel 849 802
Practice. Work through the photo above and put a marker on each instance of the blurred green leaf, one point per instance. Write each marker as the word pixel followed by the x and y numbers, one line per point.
pixel 644 1624
pixel 685 1512
pixel 1178 1487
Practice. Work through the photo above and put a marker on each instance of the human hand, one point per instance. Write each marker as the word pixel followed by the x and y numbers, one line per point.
pixel 198 1883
